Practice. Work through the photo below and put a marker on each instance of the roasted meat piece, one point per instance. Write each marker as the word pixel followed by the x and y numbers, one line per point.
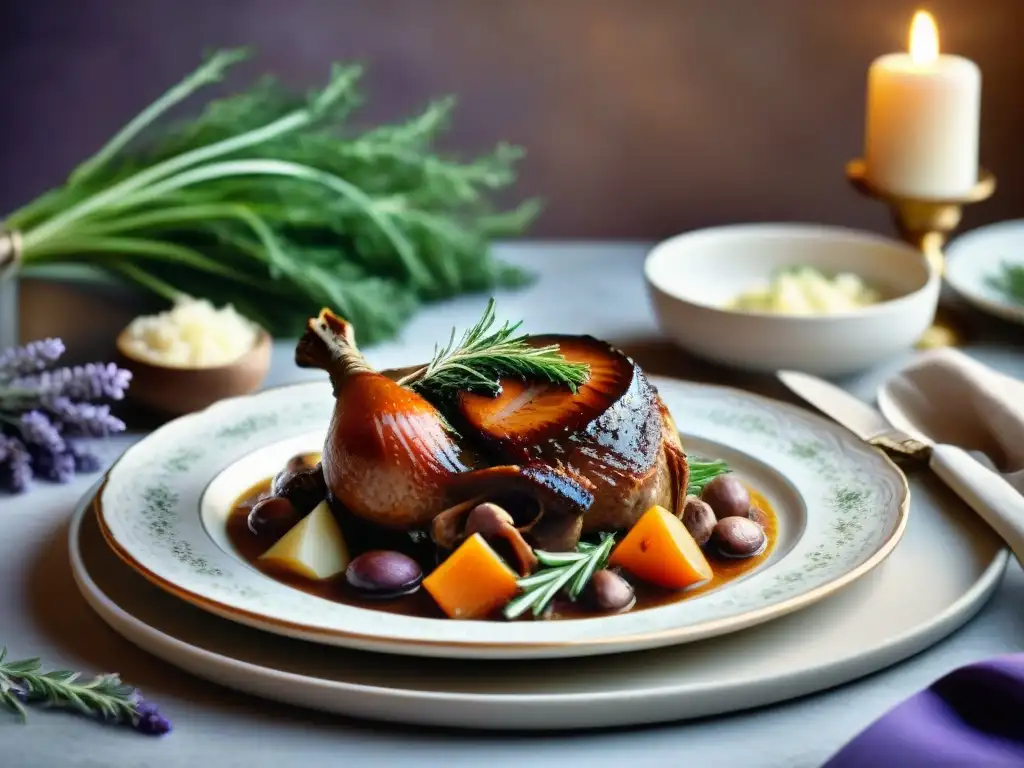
pixel 591 460
pixel 614 434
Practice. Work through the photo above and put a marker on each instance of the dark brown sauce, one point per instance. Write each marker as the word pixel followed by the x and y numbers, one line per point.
pixel 250 546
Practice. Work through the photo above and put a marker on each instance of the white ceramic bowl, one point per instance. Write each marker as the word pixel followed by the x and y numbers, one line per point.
pixel 692 276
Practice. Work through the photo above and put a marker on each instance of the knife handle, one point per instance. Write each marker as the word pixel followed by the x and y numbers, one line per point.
pixel 996 501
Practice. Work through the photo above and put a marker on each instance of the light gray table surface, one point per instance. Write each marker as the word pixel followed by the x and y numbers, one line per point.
pixel 583 288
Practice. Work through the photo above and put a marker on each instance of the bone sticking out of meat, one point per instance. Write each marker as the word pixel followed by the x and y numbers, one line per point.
pixel 388 456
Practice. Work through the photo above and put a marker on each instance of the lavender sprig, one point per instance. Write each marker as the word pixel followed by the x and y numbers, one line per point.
pixel 83 382
pixel 84 418
pixel 15 465
pixel 103 697
pixel 37 430
pixel 33 357
pixel 85 462
pixel 40 406
pixel 55 467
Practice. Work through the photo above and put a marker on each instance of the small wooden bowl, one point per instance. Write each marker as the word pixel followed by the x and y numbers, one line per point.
pixel 175 390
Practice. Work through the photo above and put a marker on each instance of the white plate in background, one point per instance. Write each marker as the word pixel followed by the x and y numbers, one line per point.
pixel 973 259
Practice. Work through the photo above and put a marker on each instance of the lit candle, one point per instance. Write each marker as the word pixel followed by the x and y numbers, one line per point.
pixel 923 114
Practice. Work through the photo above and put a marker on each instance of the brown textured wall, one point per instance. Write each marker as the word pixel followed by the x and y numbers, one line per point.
pixel 642 117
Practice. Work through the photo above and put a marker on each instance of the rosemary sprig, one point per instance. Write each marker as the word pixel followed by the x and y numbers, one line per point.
pixel 103 697
pixel 483 356
pixel 562 570
pixel 1010 282
pixel 703 472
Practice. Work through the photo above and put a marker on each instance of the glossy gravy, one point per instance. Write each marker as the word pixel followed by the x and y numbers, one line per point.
pixel 250 546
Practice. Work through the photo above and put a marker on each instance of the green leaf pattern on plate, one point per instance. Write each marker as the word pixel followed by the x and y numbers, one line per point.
pixel 852 498
pixel 160 507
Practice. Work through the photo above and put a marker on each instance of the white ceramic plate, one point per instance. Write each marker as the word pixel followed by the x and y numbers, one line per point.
pixel 897 610
pixel 973 259
pixel 841 505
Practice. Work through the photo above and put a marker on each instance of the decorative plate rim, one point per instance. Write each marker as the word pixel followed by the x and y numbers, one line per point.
pixel 614 643
pixel 878 653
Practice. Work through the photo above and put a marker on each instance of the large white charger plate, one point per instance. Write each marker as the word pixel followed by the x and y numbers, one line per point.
pixel 976 257
pixel 842 507
pixel 895 611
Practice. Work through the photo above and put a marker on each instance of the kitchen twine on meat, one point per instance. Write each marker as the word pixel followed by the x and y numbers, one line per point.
pixel 10 253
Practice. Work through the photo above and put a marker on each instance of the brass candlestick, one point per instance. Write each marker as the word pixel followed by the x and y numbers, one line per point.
pixel 926 225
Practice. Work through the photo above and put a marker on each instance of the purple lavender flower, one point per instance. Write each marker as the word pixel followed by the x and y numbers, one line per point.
pixel 83 382
pixel 15 465
pixel 51 465
pixel 37 430
pixel 39 404
pixel 85 462
pixel 149 720
pixel 33 357
pixel 84 418
pixel 96 380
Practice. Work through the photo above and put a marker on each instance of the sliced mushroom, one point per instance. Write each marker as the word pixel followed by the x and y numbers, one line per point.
pixel 557 532
pixel 496 525
pixel 449 527
pixel 526 511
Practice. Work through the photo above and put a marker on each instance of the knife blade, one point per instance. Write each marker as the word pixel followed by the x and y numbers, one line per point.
pixel 854 414
pixel 986 492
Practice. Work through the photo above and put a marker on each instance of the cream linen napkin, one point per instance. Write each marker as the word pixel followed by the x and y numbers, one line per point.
pixel 970 717
pixel 954 399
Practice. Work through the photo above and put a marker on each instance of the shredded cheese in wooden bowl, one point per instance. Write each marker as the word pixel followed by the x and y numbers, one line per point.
pixel 192 334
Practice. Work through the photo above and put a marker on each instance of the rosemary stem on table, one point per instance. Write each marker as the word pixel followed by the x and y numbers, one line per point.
pixel 103 697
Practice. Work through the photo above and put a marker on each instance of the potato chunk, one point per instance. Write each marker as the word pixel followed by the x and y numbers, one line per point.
pixel 314 548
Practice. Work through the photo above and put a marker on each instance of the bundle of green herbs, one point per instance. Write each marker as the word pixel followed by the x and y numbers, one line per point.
pixel 274 202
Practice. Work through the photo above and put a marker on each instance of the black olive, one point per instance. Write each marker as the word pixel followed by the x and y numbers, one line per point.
pixel 273 516
pixel 384 573
pixel 281 481
pixel 607 591
pixel 739 537
pixel 305 488
pixel 727 496
pixel 699 519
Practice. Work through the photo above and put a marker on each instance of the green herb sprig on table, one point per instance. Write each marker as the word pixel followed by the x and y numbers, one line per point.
pixel 276 202
pixel 483 356
pixel 105 697
pixel 1010 282
pixel 569 571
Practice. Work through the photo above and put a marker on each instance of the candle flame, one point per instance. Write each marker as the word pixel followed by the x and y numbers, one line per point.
pixel 924 38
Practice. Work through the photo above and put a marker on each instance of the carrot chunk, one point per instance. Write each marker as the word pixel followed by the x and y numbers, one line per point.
pixel 473 582
pixel 659 550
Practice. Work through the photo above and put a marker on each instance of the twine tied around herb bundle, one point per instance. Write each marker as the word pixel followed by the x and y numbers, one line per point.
pixel 10 252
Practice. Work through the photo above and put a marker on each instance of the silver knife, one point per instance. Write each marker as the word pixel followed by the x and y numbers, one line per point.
pixel 994 500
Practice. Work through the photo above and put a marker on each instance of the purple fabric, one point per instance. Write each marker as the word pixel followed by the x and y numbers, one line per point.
pixel 971 718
